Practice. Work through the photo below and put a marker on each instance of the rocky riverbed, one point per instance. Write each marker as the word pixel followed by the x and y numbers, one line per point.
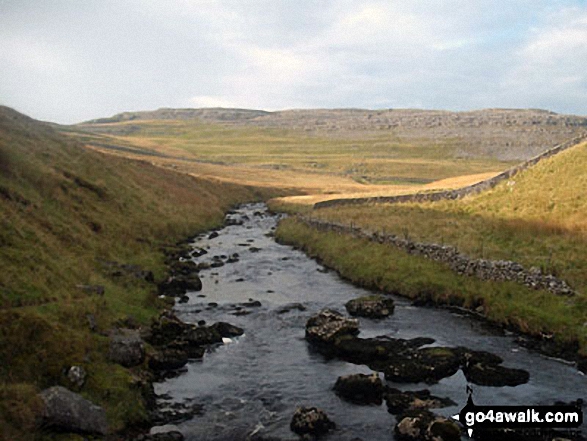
pixel 279 357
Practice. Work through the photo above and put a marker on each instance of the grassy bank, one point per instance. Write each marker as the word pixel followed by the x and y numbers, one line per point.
pixel 538 218
pixel 389 269
pixel 64 210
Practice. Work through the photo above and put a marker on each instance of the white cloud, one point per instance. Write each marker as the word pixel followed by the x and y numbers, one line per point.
pixel 102 56
pixel 552 65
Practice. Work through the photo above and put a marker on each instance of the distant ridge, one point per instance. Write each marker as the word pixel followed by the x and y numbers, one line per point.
pixel 213 114
pixel 504 134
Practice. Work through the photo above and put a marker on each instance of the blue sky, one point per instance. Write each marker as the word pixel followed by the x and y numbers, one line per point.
pixel 70 60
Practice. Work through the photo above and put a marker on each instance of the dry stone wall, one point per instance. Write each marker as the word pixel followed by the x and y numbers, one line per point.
pixel 496 270
pixel 460 192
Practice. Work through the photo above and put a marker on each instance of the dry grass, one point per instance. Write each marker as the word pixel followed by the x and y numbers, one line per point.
pixel 290 159
pixel 538 218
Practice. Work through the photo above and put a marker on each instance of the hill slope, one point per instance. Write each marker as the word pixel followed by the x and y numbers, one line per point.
pixel 64 211
pixel 504 134
pixel 538 218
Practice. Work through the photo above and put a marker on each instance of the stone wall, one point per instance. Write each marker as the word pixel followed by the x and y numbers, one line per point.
pixel 496 270
pixel 460 192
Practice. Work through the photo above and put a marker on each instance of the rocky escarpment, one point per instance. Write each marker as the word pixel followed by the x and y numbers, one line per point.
pixel 484 269
pixel 506 134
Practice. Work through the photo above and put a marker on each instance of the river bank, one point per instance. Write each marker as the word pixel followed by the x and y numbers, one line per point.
pixel 251 385
pixel 372 263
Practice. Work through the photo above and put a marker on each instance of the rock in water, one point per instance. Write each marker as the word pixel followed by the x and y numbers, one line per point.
pixel 371 307
pixel 177 286
pixel 310 420
pixel 399 402
pixel 360 388
pixel 422 425
pixel 168 360
pixel 496 376
pixel 226 330
pixel 68 411
pixel 328 325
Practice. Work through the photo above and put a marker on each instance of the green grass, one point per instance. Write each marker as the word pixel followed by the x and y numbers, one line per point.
pixel 538 218
pixel 366 158
pixel 63 210
pixel 389 269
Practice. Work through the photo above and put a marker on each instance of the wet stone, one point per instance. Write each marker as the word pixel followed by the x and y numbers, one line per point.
pixel 312 421
pixel 360 388
pixel 399 402
pixel 423 425
pixel 371 306
pixel 326 326
pixel 495 375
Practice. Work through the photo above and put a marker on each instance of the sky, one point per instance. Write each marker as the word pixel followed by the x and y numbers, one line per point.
pixel 68 61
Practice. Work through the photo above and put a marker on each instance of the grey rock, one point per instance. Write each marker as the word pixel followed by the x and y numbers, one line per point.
pixel 68 411
pixel 360 388
pixel 127 348
pixel 327 325
pixel 371 306
pixel 310 420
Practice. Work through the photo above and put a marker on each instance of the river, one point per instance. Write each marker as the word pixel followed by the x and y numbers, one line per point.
pixel 255 382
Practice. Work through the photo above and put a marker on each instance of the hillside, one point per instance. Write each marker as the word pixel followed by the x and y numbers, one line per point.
pixel 503 134
pixel 538 218
pixel 66 214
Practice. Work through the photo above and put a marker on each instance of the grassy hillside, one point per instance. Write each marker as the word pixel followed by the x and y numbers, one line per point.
pixel 64 210
pixel 538 218
pixel 357 161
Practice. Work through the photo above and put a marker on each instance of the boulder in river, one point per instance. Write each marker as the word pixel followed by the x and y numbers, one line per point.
pixel 203 335
pixel 70 412
pixel 227 330
pixel 167 328
pixel 398 402
pixel 178 285
pixel 311 421
pixel 360 388
pixel 428 365
pixel 495 375
pixel 168 360
pixel 375 306
pixel 423 425
pixel 328 325
pixel 290 307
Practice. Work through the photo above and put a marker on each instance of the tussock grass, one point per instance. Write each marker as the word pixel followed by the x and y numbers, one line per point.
pixel 63 210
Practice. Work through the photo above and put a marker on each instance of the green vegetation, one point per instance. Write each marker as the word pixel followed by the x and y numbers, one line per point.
pixel 538 218
pixel 365 158
pixel 389 269
pixel 64 210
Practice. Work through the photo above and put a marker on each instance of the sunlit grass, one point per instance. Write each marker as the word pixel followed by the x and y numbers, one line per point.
pixel 389 269
pixel 293 158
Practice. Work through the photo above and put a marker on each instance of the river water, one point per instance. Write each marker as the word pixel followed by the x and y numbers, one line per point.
pixel 255 382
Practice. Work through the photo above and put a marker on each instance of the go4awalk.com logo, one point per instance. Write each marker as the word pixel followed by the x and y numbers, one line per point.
pixel 484 418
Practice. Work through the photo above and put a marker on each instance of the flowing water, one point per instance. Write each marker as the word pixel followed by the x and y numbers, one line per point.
pixel 256 381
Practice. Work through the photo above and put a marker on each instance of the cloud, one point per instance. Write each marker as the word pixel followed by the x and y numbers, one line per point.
pixel 89 59
pixel 550 67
